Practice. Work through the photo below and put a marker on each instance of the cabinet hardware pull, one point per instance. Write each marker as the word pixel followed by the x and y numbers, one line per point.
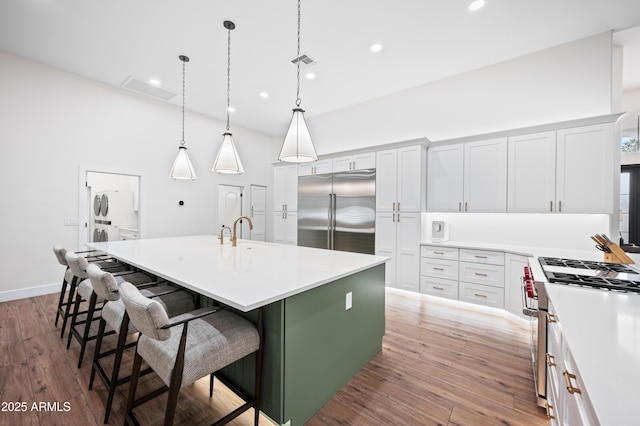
pixel 394 207
pixel 283 215
pixel 393 217
pixel 549 407
pixel 465 207
pixel 477 256
pixel 438 252
pixel 398 205
pixel 484 296
pixel 480 274
pixel 567 378
pixel 550 359
pixel 551 206
pixel 560 206
pixel 398 216
pixel 438 269
pixel 438 288
pixel 551 317
pixel 459 206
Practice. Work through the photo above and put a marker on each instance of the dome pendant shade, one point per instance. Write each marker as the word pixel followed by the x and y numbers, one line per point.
pixel 182 167
pixel 228 160
pixel 298 146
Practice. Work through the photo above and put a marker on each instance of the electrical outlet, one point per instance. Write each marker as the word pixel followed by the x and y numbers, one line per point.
pixel 348 302
pixel 70 221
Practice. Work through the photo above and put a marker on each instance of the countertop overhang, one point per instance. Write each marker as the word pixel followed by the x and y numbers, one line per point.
pixel 245 277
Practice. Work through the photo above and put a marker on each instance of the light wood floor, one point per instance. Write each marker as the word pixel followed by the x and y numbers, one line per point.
pixel 440 365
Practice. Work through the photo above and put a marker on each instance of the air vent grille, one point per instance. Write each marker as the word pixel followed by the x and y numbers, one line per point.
pixel 145 88
pixel 305 61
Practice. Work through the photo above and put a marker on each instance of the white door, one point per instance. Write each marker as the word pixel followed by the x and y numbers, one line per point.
pixel 409 180
pixel 408 251
pixel 386 178
pixel 445 168
pixel 229 206
pixel 257 212
pixel 485 176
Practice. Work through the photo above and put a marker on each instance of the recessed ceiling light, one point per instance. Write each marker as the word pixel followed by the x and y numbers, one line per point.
pixel 231 109
pixel 375 48
pixel 264 95
pixel 154 81
pixel 310 76
pixel 477 4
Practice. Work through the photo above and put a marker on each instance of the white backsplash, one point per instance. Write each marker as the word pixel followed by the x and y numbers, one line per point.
pixel 565 231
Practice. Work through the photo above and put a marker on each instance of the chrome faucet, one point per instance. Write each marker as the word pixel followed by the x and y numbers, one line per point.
pixel 233 238
pixel 222 233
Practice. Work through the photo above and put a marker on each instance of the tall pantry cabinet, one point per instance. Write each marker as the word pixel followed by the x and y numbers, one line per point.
pixel 400 189
pixel 285 204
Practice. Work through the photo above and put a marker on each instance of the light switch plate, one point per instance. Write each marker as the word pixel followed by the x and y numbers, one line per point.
pixel 348 302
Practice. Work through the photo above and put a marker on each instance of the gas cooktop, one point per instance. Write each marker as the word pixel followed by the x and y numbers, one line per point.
pixel 587 273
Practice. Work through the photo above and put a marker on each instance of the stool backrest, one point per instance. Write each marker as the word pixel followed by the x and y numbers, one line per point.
pixel 147 315
pixel 60 253
pixel 104 283
pixel 77 264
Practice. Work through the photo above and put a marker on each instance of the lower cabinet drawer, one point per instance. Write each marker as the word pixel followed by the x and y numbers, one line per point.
pixel 439 287
pixel 439 268
pixel 481 273
pixel 481 294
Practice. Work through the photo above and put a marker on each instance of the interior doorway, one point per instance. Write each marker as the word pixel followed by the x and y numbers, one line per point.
pixel 109 205
pixel 229 206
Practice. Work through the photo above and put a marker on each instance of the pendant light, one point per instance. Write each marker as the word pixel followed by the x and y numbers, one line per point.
pixel 298 146
pixel 182 167
pixel 228 161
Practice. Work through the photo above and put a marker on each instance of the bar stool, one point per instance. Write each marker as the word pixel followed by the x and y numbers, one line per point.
pixel 78 266
pixel 105 285
pixel 64 307
pixel 202 342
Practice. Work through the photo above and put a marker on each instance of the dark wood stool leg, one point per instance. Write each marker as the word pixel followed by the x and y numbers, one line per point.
pixel 74 318
pixel 87 327
pixel 96 354
pixel 67 311
pixel 63 291
pixel 113 383
pixel 135 374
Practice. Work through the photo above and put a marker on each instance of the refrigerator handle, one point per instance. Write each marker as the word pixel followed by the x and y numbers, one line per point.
pixel 333 221
pixel 330 222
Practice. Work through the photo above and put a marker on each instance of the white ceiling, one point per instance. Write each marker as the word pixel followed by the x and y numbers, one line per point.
pixel 423 41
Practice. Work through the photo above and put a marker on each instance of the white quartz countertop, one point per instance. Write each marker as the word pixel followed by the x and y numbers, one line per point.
pixel 246 277
pixel 602 330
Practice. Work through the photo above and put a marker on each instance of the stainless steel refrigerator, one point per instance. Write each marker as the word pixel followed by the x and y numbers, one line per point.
pixel 337 211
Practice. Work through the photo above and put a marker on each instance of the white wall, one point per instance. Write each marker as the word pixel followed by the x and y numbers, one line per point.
pixel 565 82
pixel 54 122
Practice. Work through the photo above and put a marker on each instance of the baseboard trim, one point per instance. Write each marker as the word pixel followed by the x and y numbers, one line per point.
pixel 23 293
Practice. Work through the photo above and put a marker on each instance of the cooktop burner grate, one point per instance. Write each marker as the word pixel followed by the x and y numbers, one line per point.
pixel 595 282
pixel 586 264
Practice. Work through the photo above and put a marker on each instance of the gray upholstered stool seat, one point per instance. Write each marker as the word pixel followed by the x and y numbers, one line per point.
pixel 106 286
pixel 78 266
pixel 64 305
pixel 187 347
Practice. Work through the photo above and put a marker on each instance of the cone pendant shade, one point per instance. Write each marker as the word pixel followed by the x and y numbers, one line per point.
pixel 182 167
pixel 228 161
pixel 298 146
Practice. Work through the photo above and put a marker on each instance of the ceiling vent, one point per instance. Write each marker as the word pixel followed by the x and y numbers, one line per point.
pixel 305 61
pixel 145 88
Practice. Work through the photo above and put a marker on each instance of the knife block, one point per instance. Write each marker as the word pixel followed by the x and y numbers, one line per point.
pixel 617 255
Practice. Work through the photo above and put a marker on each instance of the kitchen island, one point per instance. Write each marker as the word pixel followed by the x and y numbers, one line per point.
pixel 323 309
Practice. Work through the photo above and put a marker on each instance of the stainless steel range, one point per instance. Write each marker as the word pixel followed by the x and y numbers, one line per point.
pixel 603 276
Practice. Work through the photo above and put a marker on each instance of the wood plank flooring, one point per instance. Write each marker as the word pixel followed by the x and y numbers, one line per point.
pixel 440 365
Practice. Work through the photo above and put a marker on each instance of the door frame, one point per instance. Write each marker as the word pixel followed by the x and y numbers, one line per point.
pixel 83 207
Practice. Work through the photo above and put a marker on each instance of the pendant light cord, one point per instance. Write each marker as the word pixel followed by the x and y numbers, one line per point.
pixel 228 73
pixel 298 100
pixel 184 62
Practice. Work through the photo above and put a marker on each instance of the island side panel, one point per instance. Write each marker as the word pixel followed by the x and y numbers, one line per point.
pixel 325 344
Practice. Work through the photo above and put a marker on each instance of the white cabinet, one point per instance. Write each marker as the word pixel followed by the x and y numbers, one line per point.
pixel 315 167
pixel 285 227
pixel 563 171
pixel 398 237
pixel 514 269
pixel 439 271
pixel 585 172
pixel 469 177
pixel 366 160
pixel 285 217
pixel 567 398
pixel 285 188
pixel 481 277
pixel 400 179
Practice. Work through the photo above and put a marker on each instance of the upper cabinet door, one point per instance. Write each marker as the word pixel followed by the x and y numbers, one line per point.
pixel 445 178
pixel 285 188
pixel 532 173
pixel 485 176
pixel 386 178
pixel 410 185
pixel 585 171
